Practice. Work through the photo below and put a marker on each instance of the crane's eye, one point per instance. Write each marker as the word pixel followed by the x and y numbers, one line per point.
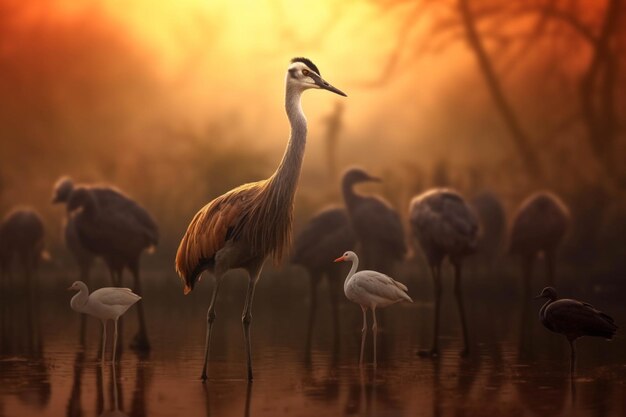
pixel 305 72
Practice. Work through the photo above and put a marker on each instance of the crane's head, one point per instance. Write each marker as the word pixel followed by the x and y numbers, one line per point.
pixel 62 190
pixel 357 175
pixel 347 256
pixel 549 293
pixel 303 74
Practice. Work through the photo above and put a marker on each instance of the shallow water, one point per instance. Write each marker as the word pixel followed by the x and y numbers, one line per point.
pixel 45 371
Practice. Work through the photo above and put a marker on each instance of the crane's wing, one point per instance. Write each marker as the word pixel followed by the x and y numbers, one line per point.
pixel 379 285
pixel 443 218
pixel 327 235
pixel 209 230
pixel 115 296
pixel 113 200
pixel 375 221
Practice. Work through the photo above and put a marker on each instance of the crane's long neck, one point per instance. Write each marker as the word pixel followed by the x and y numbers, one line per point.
pixel 355 265
pixel 286 177
pixel 349 195
pixel 79 301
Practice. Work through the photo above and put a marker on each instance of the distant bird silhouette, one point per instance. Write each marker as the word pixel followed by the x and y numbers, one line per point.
pixel 377 226
pixel 538 227
pixel 444 225
pixel 371 289
pixel 329 232
pixel 574 319
pixel 241 228
pixel 21 237
pixel 492 226
pixel 113 226
pixel 85 259
pixel 105 304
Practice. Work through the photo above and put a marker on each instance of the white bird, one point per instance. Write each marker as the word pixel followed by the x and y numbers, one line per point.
pixel 371 289
pixel 108 303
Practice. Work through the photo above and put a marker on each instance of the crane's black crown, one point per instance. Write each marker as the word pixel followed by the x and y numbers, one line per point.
pixel 308 63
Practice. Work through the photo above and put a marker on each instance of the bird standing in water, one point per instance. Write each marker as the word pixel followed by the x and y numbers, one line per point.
pixel 371 289
pixel 241 228
pixel 105 304
pixel 574 319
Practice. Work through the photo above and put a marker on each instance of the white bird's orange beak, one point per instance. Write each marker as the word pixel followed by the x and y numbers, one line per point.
pixel 69 288
pixel 340 259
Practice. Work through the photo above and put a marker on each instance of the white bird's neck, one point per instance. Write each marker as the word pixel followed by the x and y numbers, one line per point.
pixel 355 265
pixel 79 300
pixel 288 172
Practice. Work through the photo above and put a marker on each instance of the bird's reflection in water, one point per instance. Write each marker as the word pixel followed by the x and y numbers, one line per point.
pixel 321 382
pixel 211 402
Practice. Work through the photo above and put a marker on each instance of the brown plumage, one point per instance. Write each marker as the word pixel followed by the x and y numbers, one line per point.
pixel 241 228
pixel 21 237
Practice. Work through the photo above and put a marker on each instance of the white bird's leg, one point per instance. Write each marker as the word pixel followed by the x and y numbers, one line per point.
pixel 363 334
pixel 246 319
pixel 114 341
pixel 459 300
pixel 104 338
pixel 210 317
pixel 374 331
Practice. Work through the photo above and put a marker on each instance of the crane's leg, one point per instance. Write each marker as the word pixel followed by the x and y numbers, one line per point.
pixel 333 293
pixel 104 339
pixel 114 341
pixel 84 276
pixel 436 273
pixel 458 292
pixel 374 332
pixel 525 343
pixel 246 318
pixel 572 365
pixel 314 281
pixel 550 267
pixel 210 318
pixel 363 334
pixel 140 341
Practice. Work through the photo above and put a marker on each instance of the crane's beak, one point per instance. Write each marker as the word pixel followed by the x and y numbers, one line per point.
pixel 539 297
pixel 321 83
pixel 375 179
pixel 340 259
pixel 69 288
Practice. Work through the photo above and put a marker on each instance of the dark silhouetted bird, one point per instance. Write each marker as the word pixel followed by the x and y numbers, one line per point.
pixel 329 232
pixel 243 227
pixel 376 224
pixel 538 228
pixel 111 225
pixel 84 258
pixel 444 226
pixel 21 238
pixel 574 319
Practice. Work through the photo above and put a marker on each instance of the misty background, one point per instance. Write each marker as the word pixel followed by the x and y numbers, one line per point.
pixel 178 102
